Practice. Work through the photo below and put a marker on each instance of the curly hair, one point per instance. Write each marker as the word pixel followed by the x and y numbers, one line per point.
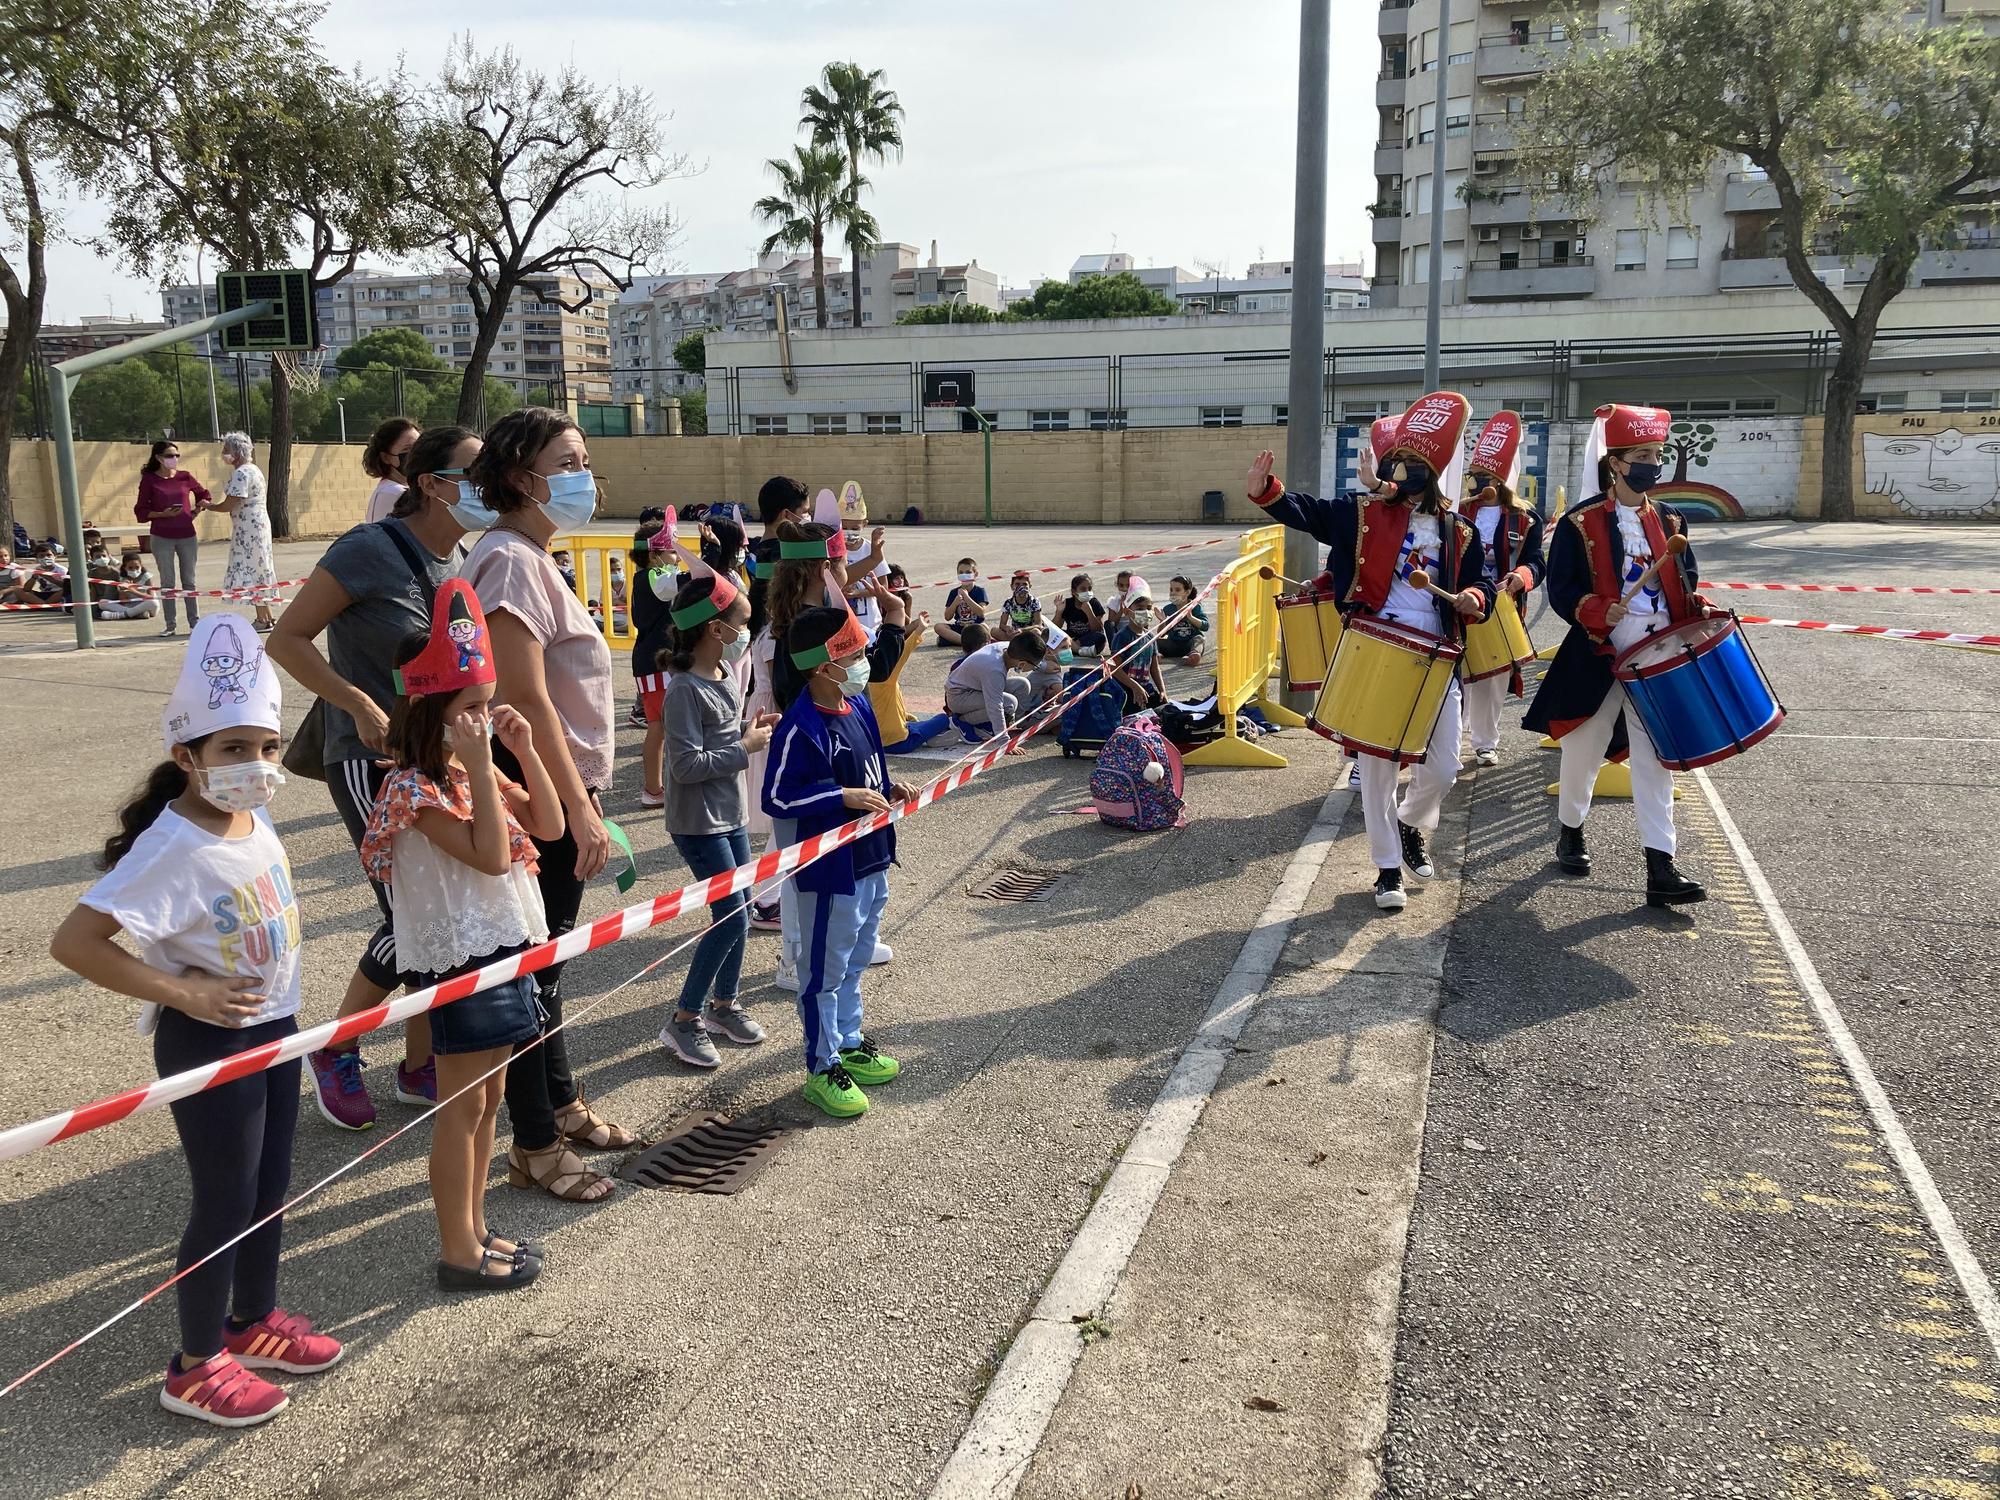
pixel 512 445
pixel 386 437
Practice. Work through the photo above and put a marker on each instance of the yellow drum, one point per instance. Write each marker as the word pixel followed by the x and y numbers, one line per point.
pixel 1499 643
pixel 1385 690
pixel 1308 629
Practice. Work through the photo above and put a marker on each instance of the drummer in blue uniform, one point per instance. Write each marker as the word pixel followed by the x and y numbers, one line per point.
pixel 1510 540
pixel 1375 543
pixel 1613 576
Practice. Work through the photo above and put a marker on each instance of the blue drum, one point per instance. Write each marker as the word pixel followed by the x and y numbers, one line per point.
pixel 1699 691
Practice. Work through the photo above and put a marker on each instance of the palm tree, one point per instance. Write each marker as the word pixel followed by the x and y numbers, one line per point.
pixel 852 110
pixel 811 199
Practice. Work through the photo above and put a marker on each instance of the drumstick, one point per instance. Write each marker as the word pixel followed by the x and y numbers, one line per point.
pixel 1421 582
pixel 1274 573
pixel 1676 545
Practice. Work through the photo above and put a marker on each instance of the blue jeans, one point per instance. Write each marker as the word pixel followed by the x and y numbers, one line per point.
pixel 918 733
pixel 718 957
pixel 838 935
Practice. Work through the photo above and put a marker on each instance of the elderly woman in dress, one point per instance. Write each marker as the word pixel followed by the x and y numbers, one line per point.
pixel 250 565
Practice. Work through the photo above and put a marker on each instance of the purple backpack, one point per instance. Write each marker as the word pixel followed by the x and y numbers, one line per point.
pixel 1121 788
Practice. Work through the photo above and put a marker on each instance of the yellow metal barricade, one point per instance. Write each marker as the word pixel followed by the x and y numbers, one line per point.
pixel 591 550
pixel 1246 652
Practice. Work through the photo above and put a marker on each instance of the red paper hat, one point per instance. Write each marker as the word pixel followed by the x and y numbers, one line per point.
pixel 1634 426
pixel 1498 446
pixel 459 654
pixel 720 597
pixel 1382 437
pixel 845 641
pixel 663 539
pixel 1431 430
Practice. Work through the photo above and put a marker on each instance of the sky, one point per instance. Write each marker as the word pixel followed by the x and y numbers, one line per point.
pixel 1036 130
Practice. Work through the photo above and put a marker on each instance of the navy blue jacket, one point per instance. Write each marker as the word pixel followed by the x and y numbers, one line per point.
pixel 799 784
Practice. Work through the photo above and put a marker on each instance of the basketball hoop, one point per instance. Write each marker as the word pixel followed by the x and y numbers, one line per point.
pixel 303 367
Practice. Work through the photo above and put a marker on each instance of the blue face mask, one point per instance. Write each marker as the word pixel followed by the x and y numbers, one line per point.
pixel 1642 477
pixel 471 510
pixel 572 498
pixel 1416 479
pixel 1065 656
pixel 856 679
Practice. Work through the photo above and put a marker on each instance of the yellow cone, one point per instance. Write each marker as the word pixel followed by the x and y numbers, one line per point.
pixel 1550 742
pixel 1614 779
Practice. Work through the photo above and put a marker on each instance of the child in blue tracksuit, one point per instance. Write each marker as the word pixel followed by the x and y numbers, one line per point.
pixel 825 767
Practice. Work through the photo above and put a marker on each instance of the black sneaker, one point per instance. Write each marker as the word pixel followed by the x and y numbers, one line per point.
pixel 1389 893
pixel 1415 855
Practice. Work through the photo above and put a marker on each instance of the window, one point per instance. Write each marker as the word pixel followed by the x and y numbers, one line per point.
pixel 1421 197
pixel 868 317
pixel 1965 401
pixel 461 309
pixel 1110 419
pixel 1532 411
pixel 1457 57
pixel 880 422
pixel 1363 411
pixel 1457 114
pixel 1048 421
pixel 1683 247
pixel 507 364
pixel 1426 122
pixel 1281 416
pixel 1725 406
pixel 1222 416
pixel 1631 250
pixel 829 424
pixel 1887 403
pixel 767 426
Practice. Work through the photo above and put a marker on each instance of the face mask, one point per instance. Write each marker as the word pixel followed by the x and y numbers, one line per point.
pixel 737 648
pixel 967 577
pixel 168 465
pixel 853 539
pixel 471 510
pixel 1416 479
pixel 241 788
pixel 856 678
pixel 572 498
pixel 1642 477
pixel 448 734
pixel 1065 656
pixel 1141 617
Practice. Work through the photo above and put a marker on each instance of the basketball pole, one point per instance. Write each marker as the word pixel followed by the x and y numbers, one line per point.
pixel 1305 423
pixel 67 373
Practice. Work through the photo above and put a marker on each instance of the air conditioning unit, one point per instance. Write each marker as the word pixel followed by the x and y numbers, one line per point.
pixel 1490 235
pixel 1530 232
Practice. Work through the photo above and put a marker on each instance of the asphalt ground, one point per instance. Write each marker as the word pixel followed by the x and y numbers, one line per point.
pixel 1601 1295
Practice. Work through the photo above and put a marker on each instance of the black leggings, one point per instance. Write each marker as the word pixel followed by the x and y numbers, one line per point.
pixel 238 1142
pixel 539 1081
pixel 354 785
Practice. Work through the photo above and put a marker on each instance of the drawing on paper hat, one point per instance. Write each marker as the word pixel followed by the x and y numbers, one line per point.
pixel 459 654
pixel 226 682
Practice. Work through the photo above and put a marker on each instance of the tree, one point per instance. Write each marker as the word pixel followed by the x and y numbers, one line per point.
pixel 515 162
pixel 854 111
pixel 1690 442
pixel 813 197
pixel 1120 296
pixel 1876 136
pixel 694 413
pixel 397 348
pixel 125 402
pixel 691 354
pixel 945 312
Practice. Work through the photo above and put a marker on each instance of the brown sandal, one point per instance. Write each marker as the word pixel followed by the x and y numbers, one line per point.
pixel 585 1127
pixel 557 1170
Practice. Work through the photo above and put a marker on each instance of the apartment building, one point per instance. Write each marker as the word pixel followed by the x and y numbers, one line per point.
pixel 1498 246
pixel 1266 287
pixel 541 342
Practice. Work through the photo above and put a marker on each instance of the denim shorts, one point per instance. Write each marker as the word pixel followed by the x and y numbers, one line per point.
pixel 505 1016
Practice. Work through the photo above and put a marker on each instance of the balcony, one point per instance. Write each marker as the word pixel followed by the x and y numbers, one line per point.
pixel 1504 205
pixel 1387 228
pixel 1523 53
pixel 1495 131
pixel 1384 294
pixel 1762 268
pixel 1389 90
pixel 1394 20
pixel 1388 158
pixel 1744 193
pixel 1498 281
pixel 1977 260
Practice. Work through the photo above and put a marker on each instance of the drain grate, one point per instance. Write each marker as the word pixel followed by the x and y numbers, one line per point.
pixel 1018 885
pixel 706 1153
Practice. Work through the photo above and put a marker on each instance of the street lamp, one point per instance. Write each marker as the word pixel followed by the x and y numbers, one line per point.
pixel 951 302
pixel 341 402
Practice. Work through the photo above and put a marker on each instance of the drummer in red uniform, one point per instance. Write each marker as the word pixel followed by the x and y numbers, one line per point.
pixel 1601 552
pixel 1510 540
pixel 1375 542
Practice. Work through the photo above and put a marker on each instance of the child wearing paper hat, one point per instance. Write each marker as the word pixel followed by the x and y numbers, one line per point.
pixel 199 882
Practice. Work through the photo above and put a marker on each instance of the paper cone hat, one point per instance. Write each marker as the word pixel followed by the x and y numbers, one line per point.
pixel 853 509
pixel 1432 430
pixel 1632 426
pixel 718 600
pixel 459 654
pixel 225 683
pixel 826 511
pixel 1382 437
pixel 1497 450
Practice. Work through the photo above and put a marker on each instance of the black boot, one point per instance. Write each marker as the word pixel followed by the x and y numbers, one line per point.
pixel 1570 851
pixel 1665 885
pixel 1415 854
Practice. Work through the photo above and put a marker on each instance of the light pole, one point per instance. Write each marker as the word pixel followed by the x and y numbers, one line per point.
pixel 1306 390
pixel 207 351
pixel 1434 303
pixel 950 304
pixel 341 402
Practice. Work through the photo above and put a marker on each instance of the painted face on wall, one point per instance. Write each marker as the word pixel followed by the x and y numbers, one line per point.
pixel 1948 473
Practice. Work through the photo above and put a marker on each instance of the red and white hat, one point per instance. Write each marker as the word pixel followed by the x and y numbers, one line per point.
pixel 1497 449
pixel 1619 426
pixel 826 511
pixel 459 654
pixel 1382 437
pixel 1432 430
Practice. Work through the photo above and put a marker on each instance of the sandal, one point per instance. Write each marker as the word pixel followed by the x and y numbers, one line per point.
pixel 520 1271
pixel 583 1126
pixel 557 1170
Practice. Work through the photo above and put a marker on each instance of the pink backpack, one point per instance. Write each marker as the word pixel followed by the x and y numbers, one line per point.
pixel 1119 785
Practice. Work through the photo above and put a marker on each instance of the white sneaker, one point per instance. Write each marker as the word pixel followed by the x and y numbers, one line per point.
pixel 883 954
pixel 1487 757
pixel 652 799
pixel 787 977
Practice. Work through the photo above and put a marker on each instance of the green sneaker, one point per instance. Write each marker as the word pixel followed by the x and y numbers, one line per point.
pixel 834 1092
pixel 867 1064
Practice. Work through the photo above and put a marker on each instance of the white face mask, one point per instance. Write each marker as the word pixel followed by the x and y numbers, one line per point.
pixel 856 679
pixel 448 738
pixel 241 788
pixel 737 647
pixel 967 577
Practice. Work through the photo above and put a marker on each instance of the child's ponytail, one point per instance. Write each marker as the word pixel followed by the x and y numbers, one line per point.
pixel 163 783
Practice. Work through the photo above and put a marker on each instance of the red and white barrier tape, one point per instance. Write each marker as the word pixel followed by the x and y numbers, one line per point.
pixel 22 1139
pixel 1096 562
pixel 145 593
pixel 1942 637
pixel 1843 588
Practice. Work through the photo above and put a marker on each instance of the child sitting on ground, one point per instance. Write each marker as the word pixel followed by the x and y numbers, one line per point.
pixel 1114 609
pixel 1138 669
pixel 1190 634
pixel 989 689
pixel 964 605
pixel 130 598
pixel 1020 610
pixel 826 765
pixel 1082 616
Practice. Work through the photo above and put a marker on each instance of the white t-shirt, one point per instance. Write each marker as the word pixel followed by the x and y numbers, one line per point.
pixel 193 901
pixel 1638 557
pixel 1487 518
pixel 387 492
pixel 1420 551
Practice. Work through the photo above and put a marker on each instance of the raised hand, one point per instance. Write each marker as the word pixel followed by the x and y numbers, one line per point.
pixel 512 730
pixel 1260 473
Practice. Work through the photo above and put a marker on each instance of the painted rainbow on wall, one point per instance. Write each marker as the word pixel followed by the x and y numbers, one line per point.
pixel 1702 501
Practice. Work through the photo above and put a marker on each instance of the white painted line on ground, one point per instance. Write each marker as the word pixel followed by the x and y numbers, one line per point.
pixel 1901 739
pixel 1000 1442
pixel 1951 1239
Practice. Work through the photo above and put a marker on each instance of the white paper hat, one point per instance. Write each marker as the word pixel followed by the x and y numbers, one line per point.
pixel 226 682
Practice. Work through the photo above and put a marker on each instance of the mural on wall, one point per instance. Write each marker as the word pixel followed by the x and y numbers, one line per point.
pixel 1939 475
pixel 1689 445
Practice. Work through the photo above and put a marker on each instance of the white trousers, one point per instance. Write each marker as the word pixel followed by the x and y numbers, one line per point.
pixel 1483 700
pixel 1430 779
pixel 1584 746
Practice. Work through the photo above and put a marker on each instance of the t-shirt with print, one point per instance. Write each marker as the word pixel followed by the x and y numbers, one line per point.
pixel 1489 518
pixel 1420 551
pixel 1638 557
pixel 509 572
pixel 855 764
pixel 387 604
pixel 196 902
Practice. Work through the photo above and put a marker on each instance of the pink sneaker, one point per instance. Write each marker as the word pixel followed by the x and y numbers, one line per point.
pixel 418 1087
pixel 282 1341
pixel 341 1095
pixel 221 1391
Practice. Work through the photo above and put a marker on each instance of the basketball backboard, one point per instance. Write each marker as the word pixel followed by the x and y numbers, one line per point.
pixel 295 324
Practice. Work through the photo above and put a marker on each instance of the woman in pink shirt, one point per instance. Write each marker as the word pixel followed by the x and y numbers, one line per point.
pixel 169 498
